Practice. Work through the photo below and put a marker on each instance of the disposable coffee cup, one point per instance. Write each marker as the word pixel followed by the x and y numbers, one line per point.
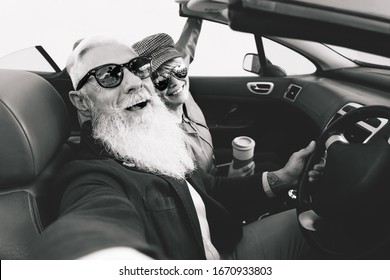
pixel 243 150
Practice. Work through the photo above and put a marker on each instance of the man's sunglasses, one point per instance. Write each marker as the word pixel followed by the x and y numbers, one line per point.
pixel 162 80
pixel 111 75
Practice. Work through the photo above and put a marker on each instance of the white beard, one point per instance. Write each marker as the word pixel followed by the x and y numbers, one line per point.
pixel 151 140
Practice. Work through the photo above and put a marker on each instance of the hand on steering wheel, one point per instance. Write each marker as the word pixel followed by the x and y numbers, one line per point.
pixel 343 206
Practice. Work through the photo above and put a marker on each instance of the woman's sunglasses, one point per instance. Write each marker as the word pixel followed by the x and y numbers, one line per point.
pixel 111 75
pixel 162 80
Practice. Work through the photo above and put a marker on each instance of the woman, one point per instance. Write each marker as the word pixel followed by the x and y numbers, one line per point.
pixel 170 78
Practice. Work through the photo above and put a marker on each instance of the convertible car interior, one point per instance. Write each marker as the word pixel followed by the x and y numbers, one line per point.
pixel 344 105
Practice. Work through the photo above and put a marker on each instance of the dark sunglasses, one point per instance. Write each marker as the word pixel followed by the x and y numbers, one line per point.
pixel 162 80
pixel 111 75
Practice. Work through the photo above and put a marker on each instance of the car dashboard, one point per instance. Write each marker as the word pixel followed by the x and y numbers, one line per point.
pixel 324 98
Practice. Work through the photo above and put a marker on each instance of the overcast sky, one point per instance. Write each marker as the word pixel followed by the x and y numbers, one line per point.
pixel 56 24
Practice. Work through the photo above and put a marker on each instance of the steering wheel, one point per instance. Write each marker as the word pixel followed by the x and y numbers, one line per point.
pixel 345 213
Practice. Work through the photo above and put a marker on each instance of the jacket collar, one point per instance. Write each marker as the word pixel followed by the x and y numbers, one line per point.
pixel 91 147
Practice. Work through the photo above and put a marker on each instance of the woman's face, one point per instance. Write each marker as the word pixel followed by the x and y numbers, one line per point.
pixel 177 91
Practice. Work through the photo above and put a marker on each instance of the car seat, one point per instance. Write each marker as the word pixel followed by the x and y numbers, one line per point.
pixel 33 147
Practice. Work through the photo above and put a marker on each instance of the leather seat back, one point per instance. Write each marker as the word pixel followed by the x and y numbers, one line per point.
pixel 33 133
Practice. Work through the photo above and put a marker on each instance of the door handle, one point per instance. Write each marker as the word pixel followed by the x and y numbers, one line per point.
pixel 262 88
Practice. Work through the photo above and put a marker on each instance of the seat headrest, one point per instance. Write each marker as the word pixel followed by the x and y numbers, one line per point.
pixel 34 125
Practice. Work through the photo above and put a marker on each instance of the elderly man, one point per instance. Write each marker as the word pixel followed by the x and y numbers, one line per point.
pixel 135 192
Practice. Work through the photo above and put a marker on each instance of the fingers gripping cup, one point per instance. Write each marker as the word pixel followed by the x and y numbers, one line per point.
pixel 243 150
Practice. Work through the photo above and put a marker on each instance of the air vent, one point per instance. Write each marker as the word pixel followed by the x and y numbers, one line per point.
pixel 292 92
pixel 345 109
pixel 335 117
pixel 362 131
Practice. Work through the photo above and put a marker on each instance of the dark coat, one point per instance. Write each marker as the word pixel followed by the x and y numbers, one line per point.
pixel 106 204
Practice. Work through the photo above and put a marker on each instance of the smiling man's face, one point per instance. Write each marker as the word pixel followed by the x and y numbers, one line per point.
pixel 132 95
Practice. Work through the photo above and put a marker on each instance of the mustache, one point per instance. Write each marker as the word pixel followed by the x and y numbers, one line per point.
pixel 134 98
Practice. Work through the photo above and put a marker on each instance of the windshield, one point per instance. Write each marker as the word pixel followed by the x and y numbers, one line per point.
pixel 361 57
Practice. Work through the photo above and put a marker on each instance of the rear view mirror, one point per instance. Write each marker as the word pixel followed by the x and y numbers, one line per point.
pixel 251 63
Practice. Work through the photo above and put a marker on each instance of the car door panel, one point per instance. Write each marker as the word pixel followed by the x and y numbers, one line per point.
pixel 232 109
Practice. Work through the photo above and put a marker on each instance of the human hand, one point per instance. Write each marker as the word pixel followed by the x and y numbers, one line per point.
pixel 288 176
pixel 317 170
pixel 246 170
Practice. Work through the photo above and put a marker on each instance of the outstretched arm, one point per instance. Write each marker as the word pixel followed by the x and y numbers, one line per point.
pixel 189 39
pixel 95 215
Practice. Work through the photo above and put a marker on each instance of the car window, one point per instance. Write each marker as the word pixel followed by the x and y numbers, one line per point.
pixel 220 51
pixel 29 59
pixel 289 60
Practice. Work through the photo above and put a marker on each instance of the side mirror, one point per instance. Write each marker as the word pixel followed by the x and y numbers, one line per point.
pixel 251 63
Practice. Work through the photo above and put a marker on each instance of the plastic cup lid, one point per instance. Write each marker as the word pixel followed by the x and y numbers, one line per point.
pixel 243 143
